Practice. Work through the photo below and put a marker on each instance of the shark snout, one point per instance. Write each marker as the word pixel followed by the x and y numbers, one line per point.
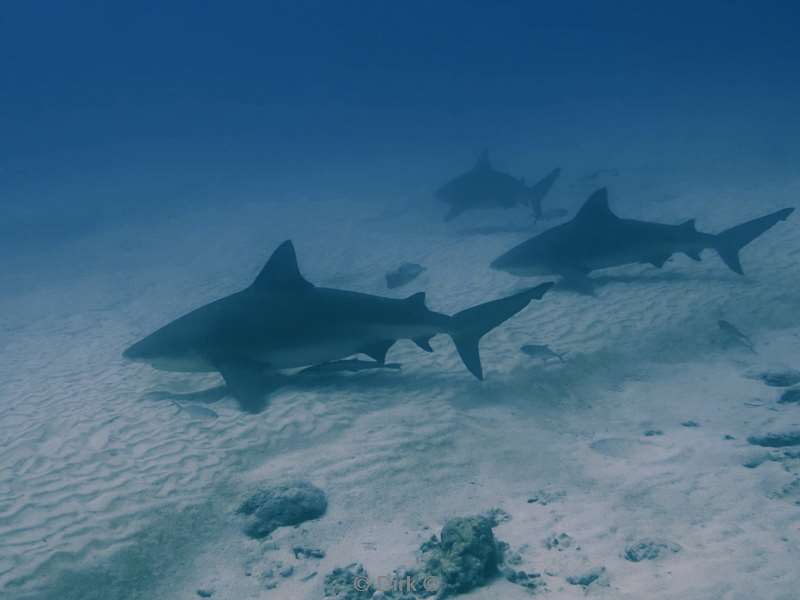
pixel 133 352
pixel 142 351
pixel 501 263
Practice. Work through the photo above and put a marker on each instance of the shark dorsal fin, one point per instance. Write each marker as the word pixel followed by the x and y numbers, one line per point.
pixel 483 160
pixel 688 225
pixel 417 300
pixel 596 208
pixel 281 271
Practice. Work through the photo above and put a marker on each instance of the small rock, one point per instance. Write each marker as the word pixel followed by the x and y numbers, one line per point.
pixel 530 581
pixel 405 273
pixel 541 352
pixel 282 505
pixel 728 437
pixel 780 378
pixel 756 461
pixel 544 497
pixel 649 549
pixel 776 440
pixel 287 571
pixel 302 552
pixel 690 424
pixel 205 593
pixel 558 542
pixel 348 583
pixel 466 556
pixel 597 575
pixel 653 432
pixel 497 516
pixel 790 397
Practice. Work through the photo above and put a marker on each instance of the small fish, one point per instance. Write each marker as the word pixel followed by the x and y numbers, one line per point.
pixel 196 411
pixel 541 352
pixel 405 273
pixel 733 332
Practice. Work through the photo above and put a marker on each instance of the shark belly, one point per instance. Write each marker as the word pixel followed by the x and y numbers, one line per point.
pixel 182 364
pixel 338 344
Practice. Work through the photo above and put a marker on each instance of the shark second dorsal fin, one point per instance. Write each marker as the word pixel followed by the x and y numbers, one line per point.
pixel 596 208
pixel 281 271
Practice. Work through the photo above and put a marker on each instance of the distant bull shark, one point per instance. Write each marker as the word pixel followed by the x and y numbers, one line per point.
pixel 485 187
pixel 282 321
pixel 596 239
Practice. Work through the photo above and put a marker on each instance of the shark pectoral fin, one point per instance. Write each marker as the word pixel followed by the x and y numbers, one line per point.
pixel 248 382
pixel 424 343
pixel 377 350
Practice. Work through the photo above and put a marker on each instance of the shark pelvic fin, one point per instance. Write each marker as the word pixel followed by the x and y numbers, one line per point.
pixel 377 350
pixel 281 271
pixel 596 208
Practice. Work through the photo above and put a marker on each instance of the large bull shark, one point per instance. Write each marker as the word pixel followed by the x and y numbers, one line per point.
pixel 282 321
pixel 485 187
pixel 596 238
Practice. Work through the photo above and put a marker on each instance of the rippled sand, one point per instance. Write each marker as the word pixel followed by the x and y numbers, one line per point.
pixel 107 491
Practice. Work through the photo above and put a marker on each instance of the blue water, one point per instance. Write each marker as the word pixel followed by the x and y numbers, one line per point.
pixel 154 154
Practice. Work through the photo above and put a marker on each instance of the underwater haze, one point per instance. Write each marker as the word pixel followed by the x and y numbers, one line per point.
pixel 485 300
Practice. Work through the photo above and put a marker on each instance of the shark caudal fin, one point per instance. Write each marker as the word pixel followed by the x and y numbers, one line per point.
pixel 729 242
pixel 538 191
pixel 471 324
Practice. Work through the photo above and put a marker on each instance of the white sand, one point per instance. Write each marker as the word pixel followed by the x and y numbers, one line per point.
pixel 106 493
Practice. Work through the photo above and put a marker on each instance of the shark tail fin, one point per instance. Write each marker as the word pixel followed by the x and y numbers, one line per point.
pixel 538 191
pixel 729 242
pixel 471 324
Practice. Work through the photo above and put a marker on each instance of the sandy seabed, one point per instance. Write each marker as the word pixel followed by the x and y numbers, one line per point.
pixel 109 491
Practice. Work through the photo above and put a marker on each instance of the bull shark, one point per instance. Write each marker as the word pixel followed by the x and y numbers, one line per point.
pixel 485 187
pixel 596 238
pixel 282 321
